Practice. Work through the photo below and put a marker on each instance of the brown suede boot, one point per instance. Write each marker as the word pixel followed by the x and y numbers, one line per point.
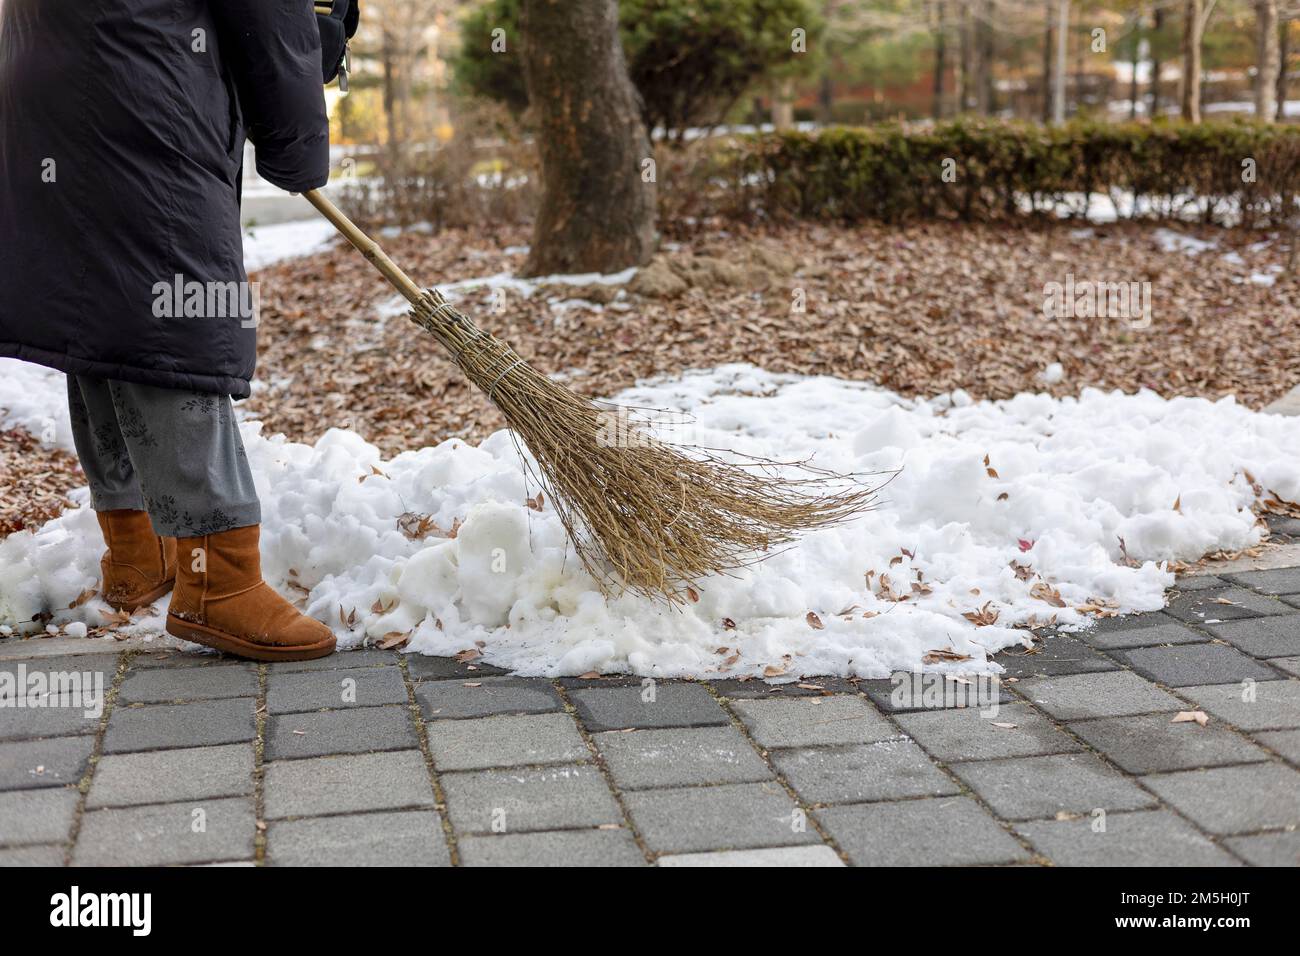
pixel 138 566
pixel 221 601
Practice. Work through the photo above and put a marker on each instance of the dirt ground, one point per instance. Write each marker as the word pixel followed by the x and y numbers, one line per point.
pixel 920 309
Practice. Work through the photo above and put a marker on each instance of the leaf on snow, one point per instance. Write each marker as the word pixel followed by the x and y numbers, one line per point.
pixel 393 639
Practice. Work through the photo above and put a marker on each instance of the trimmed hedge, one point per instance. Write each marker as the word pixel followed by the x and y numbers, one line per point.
pixel 999 170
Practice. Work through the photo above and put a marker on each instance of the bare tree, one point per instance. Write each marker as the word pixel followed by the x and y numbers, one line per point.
pixel 1049 12
pixel 393 31
pixel 1283 60
pixel 984 52
pixel 965 53
pixel 597 211
pixel 1193 31
pixel 1157 24
pixel 1134 60
pixel 1267 59
pixel 940 55
pixel 783 103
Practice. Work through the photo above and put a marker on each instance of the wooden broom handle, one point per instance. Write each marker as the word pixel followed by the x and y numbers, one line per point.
pixel 366 246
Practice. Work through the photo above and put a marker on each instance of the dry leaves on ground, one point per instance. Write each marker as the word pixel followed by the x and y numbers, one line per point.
pixel 34 481
pixel 920 309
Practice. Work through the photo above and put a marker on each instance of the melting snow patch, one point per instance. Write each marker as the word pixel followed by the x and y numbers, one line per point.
pixel 1004 514
pixel 1171 241
pixel 266 245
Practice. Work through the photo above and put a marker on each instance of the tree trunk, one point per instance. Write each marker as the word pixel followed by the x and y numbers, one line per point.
pixel 783 103
pixel 391 106
pixel 1157 24
pixel 940 56
pixel 1191 84
pixel 1283 60
pixel 1058 64
pixel 1267 59
pixel 826 98
pixel 1136 58
pixel 984 52
pixel 1049 11
pixel 964 65
pixel 597 211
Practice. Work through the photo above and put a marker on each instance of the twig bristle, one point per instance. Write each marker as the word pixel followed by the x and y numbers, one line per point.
pixel 641 513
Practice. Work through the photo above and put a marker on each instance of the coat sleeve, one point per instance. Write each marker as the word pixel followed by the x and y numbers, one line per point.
pixel 272 49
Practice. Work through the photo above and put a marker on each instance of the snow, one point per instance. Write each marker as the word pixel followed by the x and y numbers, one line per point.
pixel 1289 108
pixel 266 245
pixel 1066 481
pixel 1171 241
pixel 35 398
pixel 526 287
pixel 1054 374
pixel 504 282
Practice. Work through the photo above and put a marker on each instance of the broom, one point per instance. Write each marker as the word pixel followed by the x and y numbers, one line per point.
pixel 641 513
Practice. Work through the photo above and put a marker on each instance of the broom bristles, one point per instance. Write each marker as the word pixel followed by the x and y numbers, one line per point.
pixel 641 513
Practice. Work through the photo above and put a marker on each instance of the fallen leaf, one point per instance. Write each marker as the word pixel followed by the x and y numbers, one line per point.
pixel 940 655
pixel 984 617
pixel 1045 592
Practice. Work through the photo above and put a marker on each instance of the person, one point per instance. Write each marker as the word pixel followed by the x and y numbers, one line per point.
pixel 122 129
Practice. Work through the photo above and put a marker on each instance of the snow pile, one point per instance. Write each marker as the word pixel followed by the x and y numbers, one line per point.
pixel 35 399
pixel 1004 514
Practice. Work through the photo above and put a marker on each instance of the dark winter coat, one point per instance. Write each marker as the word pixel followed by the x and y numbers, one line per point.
pixel 122 127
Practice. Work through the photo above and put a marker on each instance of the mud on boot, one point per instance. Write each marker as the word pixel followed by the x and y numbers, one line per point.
pixel 139 566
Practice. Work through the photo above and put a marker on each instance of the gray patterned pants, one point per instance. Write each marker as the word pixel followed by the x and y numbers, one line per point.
pixel 173 453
